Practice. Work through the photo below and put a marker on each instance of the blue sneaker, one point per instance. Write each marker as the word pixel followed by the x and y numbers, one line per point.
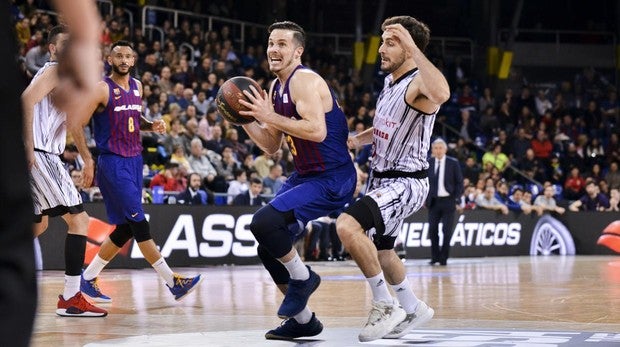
pixel 91 289
pixel 183 286
pixel 290 329
pixel 297 295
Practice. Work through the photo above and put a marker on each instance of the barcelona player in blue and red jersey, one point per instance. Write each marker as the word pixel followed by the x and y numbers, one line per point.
pixel 118 121
pixel 300 108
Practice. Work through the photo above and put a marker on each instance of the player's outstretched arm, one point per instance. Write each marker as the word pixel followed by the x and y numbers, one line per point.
pixel 34 93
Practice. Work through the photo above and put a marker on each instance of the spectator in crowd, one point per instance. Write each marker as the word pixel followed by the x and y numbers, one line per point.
pixel 613 176
pixel 592 200
pixel 526 207
pixel 542 102
pixel 501 194
pixel 202 103
pixel 240 150
pixel 574 185
pixel 227 165
pixel 194 195
pixel 542 146
pixel 274 180
pixel 178 157
pixel 546 202
pixel 263 164
pixel 206 124
pixel 252 196
pixel 488 201
pixel 167 178
pixel 614 200
pixel 174 137
pixel 76 177
pixel 201 164
pixel 495 158
pixel 216 144
pixel 37 56
pixel 238 185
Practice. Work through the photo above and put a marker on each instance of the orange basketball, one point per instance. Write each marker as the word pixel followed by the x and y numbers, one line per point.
pixel 228 96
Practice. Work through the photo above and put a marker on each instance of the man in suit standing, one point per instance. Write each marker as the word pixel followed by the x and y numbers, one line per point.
pixel 446 188
pixel 251 197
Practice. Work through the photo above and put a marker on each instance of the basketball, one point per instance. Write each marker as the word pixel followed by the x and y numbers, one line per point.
pixel 228 96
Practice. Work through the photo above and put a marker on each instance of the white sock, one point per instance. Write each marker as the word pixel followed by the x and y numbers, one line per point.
pixel 297 269
pixel 379 288
pixel 406 297
pixel 164 271
pixel 72 286
pixel 304 316
pixel 94 268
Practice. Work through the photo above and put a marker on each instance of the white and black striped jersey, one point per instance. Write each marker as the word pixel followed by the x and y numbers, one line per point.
pixel 401 135
pixel 48 123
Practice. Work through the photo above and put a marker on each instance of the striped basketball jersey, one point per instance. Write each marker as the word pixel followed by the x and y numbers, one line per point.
pixel 117 126
pixel 401 134
pixel 309 156
pixel 48 123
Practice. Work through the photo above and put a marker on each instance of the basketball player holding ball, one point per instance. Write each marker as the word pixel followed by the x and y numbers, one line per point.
pixel 301 109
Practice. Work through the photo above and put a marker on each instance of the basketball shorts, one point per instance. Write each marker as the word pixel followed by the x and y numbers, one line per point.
pixel 314 196
pixel 53 191
pixel 397 199
pixel 120 182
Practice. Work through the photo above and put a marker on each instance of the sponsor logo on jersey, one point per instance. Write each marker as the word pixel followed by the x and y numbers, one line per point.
pixel 128 108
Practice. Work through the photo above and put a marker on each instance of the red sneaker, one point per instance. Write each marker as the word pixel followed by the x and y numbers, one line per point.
pixel 77 306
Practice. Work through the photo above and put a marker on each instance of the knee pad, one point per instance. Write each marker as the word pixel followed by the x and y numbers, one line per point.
pixel 121 234
pixel 367 213
pixel 270 228
pixel 278 272
pixel 141 230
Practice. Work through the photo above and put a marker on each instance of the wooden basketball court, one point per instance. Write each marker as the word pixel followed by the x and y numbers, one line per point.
pixel 506 301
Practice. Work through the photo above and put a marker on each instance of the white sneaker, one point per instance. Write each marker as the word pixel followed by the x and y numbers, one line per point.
pixel 383 318
pixel 413 320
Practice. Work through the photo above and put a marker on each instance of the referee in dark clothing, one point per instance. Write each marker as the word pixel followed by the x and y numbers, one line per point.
pixel 446 187
pixel 18 292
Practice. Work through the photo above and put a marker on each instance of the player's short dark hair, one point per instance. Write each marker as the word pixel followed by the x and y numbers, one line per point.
pixel 299 34
pixel 419 31
pixel 121 43
pixel 55 31
pixel 256 180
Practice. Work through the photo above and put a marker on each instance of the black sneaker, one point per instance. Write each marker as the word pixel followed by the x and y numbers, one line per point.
pixel 290 329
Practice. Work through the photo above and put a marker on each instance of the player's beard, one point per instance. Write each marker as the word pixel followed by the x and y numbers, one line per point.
pixel 394 64
pixel 117 70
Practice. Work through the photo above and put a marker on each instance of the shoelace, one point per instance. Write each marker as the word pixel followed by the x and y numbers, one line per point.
pixel 82 303
pixel 95 285
pixel 377 313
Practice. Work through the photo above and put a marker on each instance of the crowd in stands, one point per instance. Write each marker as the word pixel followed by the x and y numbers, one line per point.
pixel 522 148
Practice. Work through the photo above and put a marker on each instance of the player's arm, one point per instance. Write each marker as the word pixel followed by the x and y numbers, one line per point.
pixel 305 91
pixel 88 172
pixel 157 125
pixel 266 137
pixel 361 139
pixel 430 88
pixel 76 128
pixel 34 93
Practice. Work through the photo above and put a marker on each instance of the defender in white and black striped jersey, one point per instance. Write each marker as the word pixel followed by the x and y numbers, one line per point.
pixel 398 184
pixel 53 191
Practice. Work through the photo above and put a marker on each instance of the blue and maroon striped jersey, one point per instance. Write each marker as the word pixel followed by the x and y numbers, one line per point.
pixel 117 127
pixel 309 156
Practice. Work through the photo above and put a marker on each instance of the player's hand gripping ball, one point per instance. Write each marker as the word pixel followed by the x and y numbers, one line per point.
pixel 227 99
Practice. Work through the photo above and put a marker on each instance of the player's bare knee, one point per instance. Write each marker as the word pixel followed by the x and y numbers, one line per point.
pixel 78 223
pixel 344 227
